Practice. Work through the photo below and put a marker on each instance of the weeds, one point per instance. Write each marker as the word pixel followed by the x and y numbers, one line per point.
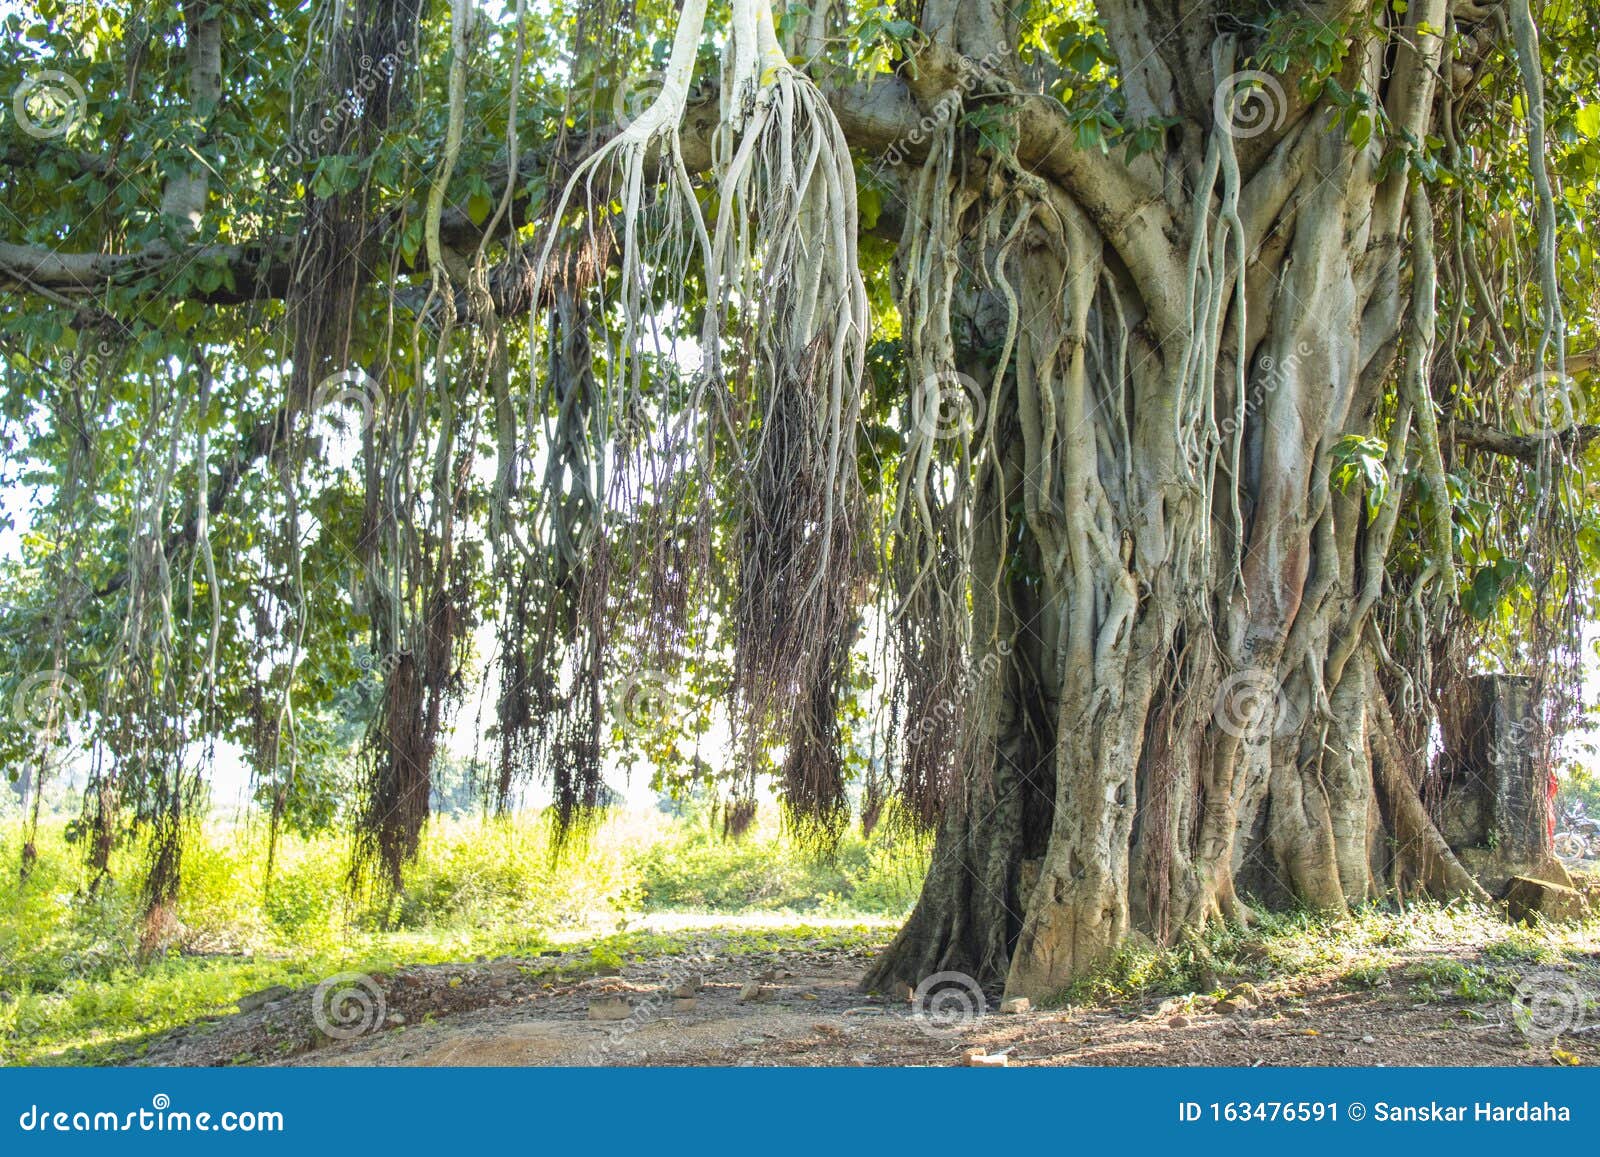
pixel 71 977
pixel 1429 946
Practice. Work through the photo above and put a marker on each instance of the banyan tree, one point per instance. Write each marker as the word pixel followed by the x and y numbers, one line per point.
pixel 1099 434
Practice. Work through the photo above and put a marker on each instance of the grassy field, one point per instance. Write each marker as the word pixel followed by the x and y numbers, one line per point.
pixel 74 985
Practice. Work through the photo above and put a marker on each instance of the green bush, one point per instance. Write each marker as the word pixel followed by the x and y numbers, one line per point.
pixel 699 869
pixel 70 960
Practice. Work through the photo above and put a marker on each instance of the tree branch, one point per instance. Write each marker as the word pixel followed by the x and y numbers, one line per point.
pixel 257 271
pixel 1129 213
pixel 1523 447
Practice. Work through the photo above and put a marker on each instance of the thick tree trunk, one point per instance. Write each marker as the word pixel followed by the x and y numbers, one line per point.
pixel 1191 701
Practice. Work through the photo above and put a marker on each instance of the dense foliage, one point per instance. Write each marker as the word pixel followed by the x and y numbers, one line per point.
pixel 375 369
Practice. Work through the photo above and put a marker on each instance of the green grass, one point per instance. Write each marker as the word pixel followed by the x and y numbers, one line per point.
pixel 75 989
pixel 1446 979
pixel 73 985
pixel 1440 952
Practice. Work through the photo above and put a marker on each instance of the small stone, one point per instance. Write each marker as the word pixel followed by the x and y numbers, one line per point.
pixel 754 990
pixel 610 1008
pixel 1298 1013
pixel 1015 1005
pixel 686 988
pixel 1244 993
pixel 968 1055
pixel 1369 1040
pixel 1527 897
pixel 1178 1022
pixel 985 1061
pixel 1228 1007
pixel 265 997
pixel 397 1018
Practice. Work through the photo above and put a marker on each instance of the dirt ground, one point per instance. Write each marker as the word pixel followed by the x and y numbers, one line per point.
pixel 799 1005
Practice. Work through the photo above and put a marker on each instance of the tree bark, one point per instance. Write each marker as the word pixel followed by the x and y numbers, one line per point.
pixel 1187 719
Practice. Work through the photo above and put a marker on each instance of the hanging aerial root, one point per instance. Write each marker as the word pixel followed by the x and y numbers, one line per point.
pixel 776 395
pixel 1422 837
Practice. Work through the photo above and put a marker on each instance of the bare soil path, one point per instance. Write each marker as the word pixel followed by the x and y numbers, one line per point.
pixel 793 1000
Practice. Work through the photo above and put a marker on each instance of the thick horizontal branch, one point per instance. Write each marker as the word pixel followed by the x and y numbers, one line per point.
pixel 1522 447
pixel 1129 213
pixel 256 271
pixel 873 117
